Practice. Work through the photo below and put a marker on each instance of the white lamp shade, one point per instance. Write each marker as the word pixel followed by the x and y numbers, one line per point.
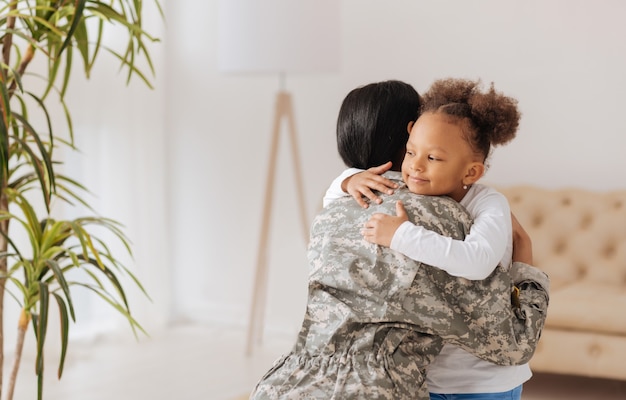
pixel 281 36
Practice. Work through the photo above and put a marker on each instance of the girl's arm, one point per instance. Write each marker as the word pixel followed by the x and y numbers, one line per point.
pixel 473 258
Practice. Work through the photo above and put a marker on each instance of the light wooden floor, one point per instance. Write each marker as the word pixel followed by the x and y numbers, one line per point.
pixel 203 363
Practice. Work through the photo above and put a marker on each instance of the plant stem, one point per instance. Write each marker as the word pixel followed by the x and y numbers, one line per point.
pixel 28 57
pixel 4 244
pixel 19 347
pixel 8 38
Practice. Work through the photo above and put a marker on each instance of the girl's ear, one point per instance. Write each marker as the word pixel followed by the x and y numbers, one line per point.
pixel 474 172
pixel 410 126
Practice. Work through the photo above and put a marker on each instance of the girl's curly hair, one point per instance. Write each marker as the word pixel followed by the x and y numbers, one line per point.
pixel 488 118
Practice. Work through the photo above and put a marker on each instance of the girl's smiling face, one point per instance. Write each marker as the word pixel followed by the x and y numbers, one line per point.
pixel 438 159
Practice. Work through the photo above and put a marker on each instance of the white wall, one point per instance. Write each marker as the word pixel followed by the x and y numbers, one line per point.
pixel 202 137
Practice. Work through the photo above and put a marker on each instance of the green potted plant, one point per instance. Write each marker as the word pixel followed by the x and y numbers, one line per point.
pixel 37 250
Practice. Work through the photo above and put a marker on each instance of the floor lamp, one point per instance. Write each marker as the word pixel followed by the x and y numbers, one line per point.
pixel 279 37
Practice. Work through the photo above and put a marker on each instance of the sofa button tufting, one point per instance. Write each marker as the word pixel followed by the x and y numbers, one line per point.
pixel 585 221
pixel 559 247
pixel 609 250
pixel 581 271
pixel 595 350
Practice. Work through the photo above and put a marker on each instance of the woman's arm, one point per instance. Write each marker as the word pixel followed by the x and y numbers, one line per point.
pixel 522 244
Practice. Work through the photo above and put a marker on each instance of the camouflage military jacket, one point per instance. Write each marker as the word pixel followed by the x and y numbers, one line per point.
pixel 375 318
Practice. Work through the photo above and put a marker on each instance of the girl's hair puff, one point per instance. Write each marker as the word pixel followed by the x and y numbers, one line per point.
pixel 488 118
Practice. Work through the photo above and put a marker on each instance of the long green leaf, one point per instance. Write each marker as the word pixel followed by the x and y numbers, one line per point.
pixel 45 154
pixel 38 167
pixel 7 237
pixel 79 7
pixel 42 328
pixel 44 24
pixel 69 54
pixel 106 297
pixel 60 278
pixel 31 225
pixel 5 110
pixel 81 37
pixel 36 137
pixel 111 277
pixel 65 328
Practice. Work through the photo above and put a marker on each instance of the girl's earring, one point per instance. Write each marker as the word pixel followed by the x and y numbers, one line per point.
pixel 464 187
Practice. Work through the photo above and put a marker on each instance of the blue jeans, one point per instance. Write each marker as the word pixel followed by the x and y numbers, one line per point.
pixel 515 394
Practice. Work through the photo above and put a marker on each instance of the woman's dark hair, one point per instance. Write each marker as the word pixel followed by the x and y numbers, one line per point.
pixel 372 124
pixel 488 118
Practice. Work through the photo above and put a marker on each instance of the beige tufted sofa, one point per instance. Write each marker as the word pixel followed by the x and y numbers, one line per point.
pixel 579 239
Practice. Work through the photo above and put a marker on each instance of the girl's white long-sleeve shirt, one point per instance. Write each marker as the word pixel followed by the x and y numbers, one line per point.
pixel 489 242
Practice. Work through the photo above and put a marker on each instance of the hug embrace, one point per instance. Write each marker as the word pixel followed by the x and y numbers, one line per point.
pixel 421 284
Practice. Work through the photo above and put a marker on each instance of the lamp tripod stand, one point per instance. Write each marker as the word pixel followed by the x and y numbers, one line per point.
pixel 283 110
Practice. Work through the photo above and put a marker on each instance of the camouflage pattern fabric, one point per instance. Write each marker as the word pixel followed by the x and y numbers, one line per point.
pixel 375 318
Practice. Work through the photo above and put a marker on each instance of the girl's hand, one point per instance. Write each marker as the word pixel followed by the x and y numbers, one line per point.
pixel 381 227
pixel 362 185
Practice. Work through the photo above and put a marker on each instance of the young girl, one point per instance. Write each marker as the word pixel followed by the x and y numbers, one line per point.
pixel 445 155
